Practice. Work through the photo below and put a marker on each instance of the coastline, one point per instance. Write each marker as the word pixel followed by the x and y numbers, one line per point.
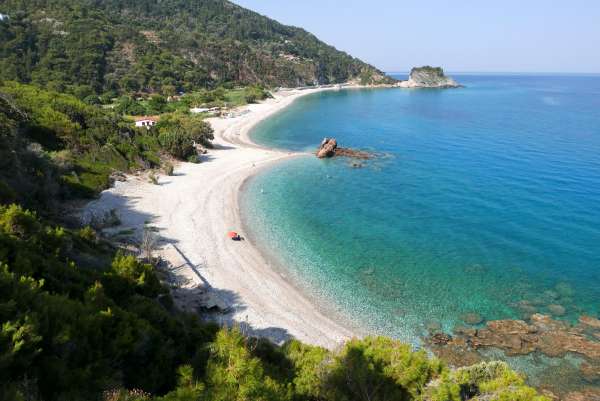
pixel 194 209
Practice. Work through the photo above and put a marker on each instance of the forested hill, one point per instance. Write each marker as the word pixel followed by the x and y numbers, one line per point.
pixel 93 46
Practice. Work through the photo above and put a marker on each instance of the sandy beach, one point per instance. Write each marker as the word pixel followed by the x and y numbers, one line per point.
pixel 194 210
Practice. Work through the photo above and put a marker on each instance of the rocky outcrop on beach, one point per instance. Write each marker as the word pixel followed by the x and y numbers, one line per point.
pixel 329 148
pixel 428 77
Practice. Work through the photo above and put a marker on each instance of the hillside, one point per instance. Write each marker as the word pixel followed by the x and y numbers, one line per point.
pixel 125 46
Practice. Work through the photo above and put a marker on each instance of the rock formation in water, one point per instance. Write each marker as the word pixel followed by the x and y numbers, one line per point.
pixel 329 148
pixel 428 77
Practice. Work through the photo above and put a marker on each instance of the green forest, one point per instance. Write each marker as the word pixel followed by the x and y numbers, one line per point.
pixel 81 319
pixel 88 47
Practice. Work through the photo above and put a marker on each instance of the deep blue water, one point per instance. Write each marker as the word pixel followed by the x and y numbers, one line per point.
pixel 482 197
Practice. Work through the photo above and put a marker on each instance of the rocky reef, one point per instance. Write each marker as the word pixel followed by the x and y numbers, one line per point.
pixel 540 334
pixel 428 77
pixel 329 148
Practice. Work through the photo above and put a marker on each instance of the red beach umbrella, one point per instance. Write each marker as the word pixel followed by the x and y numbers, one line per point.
pixel 232 234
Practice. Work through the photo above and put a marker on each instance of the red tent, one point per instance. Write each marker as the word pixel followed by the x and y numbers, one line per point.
pixel 232 234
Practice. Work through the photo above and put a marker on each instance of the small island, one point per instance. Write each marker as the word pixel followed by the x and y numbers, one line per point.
pixel 428 77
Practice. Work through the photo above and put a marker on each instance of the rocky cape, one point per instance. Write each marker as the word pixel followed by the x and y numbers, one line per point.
pixel 428 77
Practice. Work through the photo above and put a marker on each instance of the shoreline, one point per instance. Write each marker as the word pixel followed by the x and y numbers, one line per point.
pixel 194 209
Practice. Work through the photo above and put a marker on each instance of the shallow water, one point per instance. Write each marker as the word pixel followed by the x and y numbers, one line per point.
pixel 481 197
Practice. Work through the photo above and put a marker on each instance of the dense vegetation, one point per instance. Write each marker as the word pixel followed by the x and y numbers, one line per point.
pixel 89 47
pixel 76 326
pixel 56 147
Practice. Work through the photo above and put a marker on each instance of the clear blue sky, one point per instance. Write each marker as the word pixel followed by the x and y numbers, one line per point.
pixel 460 35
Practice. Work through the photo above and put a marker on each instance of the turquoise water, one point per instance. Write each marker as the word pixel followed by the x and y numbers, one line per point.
pixel 481 197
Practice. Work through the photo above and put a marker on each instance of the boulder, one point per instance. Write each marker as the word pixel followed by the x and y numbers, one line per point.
pixel 557 310
pixel 472 318
pixel 327 148
pixel 440 339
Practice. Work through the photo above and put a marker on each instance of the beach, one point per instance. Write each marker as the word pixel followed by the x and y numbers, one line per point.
pixel 193 211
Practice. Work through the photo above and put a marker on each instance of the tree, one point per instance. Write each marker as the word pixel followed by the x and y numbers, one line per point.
pixel 234 374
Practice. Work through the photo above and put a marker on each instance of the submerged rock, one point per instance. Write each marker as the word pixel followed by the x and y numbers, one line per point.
pixel 551 337
pixel 551 294
pixel 428 77
pixel 433 326
pixel 564 289
pixel 590 372
pixel 472 318
pixel 557 310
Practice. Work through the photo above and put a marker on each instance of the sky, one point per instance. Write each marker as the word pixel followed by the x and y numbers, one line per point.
pixel 459 35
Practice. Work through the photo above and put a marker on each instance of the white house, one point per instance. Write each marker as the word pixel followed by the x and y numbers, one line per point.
pixel 146 122
pixel 3 17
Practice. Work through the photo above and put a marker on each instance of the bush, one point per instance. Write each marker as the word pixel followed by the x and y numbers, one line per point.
pixel 16 221
pixel 153 178
pixel 177 142
pixel 88 233
pixel 168 168
pixel 254 94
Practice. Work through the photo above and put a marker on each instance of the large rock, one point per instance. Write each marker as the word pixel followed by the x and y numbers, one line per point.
pixel 327 148
pixel 428 77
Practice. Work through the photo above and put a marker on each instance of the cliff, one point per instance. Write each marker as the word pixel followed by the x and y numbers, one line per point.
pixel 428 77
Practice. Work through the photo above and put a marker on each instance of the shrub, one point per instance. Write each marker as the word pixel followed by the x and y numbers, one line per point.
pixel 88 233
pixel 153 178
pixel 17 221
pixel 177 142
pixel 169 169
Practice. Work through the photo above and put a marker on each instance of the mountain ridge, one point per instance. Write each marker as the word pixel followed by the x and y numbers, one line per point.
pixel 126 46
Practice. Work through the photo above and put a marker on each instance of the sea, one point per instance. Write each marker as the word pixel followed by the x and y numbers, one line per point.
pixel 476 199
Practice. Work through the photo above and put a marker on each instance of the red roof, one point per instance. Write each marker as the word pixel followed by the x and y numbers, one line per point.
pixel 155 119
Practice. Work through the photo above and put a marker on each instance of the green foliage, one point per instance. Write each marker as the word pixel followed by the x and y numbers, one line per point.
pixel 253 94
pixel 234 374
pixel 86 47
pixel 69 331
pixel 379 368
pixel 486 380
pixel 177 142
pixel 56 146
pixel 178 132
